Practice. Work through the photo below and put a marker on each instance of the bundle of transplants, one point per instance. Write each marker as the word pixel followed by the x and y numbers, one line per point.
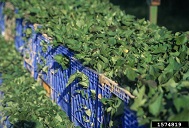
pixel 149 61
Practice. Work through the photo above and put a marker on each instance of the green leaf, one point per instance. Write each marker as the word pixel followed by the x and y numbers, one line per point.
pixel 93 91
pixel 45 68
pixel 84 79
pixel 186 76
pixel 62 60
pixel 109 109
pixel 182 116
pixel 112 41
pixel 114 59
pixel 185 84
pixel 34 10
pixel 155 106
pixel 170 83
pixel 162 78
pixel 140 100
pixel 59 38
pixel 103 100
pixel 28 32
pixel 118 103
pixel 140 112
pixel 104 59
pixel 85 84
pixel 58 118
pixel 111 123
pixel 82 93
pixel 181 102
pixel 88 112
pixel 58 58
pixel 99 67
pixel 87 121
pixel 72 78
pixel 131 74
pixel 181 40
pixel 71 41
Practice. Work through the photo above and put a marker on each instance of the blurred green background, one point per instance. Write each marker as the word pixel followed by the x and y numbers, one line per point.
pixel 173 14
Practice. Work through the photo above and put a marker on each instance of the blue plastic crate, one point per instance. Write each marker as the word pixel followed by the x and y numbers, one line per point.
pixel 31 69
pixel 19 42
pixel 40 39
pixel 59 78
pixel 2 21
pixel 130 119
pixel 47 54
pixel 43 57
pixel 105 90
pixel 20 35
pixel 59 92
pixel 68 97
pixel 30 53
pixel 56 77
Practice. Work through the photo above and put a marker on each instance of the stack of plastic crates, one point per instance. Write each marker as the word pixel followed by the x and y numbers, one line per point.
pixel 82 105
pixel 85 111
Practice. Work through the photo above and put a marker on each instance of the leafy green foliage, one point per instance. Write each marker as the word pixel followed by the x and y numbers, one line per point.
pixel 62 60
pixel 24 100
pixel 111 106
pixel 148 60
pixel 81 77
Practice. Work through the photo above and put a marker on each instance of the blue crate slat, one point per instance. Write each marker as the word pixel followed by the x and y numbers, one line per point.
pixel 2 21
